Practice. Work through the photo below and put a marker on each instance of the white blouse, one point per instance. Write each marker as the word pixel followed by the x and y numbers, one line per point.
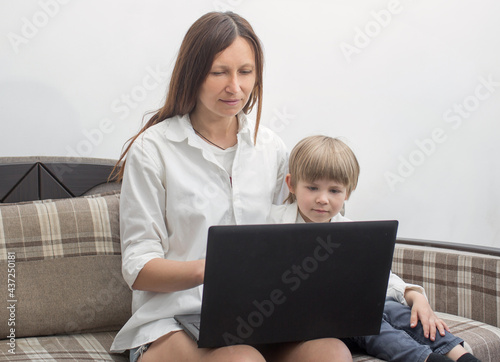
pixel 173 189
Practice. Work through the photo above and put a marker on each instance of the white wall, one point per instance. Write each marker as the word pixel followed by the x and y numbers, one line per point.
pixel 413 86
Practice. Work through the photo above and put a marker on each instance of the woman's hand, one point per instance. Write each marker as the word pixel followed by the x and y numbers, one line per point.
pixel 421 310
pixel 165 276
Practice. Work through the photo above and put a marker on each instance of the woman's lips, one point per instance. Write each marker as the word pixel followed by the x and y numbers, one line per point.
pixel 231 102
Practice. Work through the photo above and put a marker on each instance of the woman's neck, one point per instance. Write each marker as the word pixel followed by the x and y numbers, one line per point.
pixel 217 131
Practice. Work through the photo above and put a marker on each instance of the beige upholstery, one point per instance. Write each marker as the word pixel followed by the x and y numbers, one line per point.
pixel 70 299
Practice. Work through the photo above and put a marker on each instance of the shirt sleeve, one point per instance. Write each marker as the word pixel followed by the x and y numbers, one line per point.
pixel 142 210
pixel 397 288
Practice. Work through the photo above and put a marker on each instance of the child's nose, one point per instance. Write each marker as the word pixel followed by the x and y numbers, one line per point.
pixel 322 199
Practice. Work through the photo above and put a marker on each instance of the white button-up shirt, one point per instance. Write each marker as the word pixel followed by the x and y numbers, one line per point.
pixel 174 189
pixel 289 213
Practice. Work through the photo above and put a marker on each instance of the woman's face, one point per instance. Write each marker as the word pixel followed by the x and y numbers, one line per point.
pixel 229 83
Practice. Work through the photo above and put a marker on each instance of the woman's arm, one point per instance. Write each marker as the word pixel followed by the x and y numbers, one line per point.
pixel 144 235
pixel 161 275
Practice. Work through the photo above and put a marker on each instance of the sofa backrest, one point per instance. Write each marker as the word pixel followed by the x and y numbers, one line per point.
pixel 456 282
pixel 61 264
pixel 44 177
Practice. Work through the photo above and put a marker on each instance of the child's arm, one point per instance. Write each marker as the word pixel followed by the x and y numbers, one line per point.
pixel 398 287
pixel 421 310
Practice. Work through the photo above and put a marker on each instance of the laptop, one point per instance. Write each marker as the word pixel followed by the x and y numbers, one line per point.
pixel 293 282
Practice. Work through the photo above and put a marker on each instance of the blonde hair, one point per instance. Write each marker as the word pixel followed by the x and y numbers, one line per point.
pixel 322 157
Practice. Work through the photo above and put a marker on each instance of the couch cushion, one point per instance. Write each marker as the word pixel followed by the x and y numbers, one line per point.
pixel 66 266
pixel 456 282
pixel 480 339
pixel 78 347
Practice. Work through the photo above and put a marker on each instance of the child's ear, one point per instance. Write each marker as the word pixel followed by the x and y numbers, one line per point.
pixel 288 180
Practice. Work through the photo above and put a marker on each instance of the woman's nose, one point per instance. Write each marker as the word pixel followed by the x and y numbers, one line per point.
pixel 234 85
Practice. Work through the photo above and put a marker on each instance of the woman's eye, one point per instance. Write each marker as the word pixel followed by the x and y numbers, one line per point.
pixel 246 71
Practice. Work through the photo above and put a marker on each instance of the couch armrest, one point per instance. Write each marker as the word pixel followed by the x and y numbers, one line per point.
pixel 457 282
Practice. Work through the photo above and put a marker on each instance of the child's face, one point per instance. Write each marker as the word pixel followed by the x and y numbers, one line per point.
pixel 320 200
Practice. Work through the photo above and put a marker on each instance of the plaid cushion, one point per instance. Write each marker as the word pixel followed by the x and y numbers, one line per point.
pixel 481 340
pixel 77 347
pixel 66 263
pixel 458 283
pixel 47 229
pixel 462 287
pixel 95 346
pixel 360 357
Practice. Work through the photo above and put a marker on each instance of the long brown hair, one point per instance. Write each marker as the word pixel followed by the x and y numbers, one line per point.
pixel 207 37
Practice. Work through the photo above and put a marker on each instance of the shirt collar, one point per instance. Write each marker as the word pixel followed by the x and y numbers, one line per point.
pixel 246 128
pixel 179 128
pixel 292 214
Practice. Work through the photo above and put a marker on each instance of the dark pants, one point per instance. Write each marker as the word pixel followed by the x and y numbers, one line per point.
pixel 398 342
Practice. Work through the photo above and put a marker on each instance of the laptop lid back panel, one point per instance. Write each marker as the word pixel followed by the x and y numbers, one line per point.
pixel 279 283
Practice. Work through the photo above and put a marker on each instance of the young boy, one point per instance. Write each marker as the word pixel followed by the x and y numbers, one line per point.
pixel 323 172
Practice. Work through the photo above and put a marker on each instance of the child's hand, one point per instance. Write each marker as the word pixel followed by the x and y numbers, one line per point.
pixel 421 310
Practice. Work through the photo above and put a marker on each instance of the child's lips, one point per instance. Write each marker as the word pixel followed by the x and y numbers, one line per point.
pixel 321 211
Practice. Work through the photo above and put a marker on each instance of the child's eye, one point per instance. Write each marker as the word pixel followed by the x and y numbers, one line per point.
pixel 336 191
pixel 312 188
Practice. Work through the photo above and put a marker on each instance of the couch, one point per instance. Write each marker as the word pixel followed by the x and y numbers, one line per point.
pixel 64 297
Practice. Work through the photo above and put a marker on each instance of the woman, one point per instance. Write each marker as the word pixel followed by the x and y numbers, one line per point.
pixel 198 162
